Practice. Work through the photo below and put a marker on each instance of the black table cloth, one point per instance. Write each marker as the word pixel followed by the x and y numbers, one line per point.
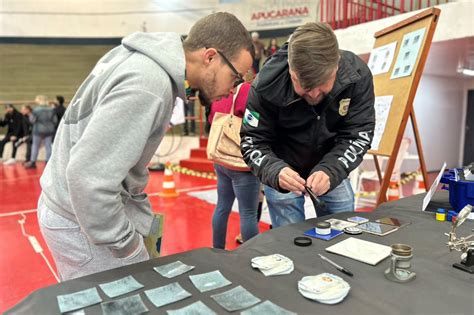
pixel 438 288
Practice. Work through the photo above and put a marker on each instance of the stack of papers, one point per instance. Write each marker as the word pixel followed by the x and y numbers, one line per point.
pixel 273 265
pixel 325 288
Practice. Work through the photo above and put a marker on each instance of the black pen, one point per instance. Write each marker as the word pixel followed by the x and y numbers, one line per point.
pixel 347 272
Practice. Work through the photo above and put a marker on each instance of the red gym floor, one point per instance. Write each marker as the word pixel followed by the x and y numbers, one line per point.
pixel 187 226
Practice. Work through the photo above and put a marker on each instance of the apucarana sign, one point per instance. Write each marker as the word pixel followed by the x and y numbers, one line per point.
pixel 273 14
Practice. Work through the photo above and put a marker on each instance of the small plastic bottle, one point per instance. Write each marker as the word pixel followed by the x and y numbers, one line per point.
pixel 451 214
pixel 441 215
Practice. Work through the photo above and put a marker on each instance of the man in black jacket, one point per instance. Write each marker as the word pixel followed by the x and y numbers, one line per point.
pixel 13 120
pixel 309 121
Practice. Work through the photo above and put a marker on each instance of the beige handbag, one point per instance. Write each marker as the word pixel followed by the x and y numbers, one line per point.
pixel 223 145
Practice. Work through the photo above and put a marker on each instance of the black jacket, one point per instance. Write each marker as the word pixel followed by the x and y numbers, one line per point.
pixel 14 123
pixel 59 111
pixel 280 129
pixel 27 126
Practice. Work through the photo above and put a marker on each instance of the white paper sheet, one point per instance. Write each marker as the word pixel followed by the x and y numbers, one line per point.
pixel 177 118
pixel 409 50
pixel 382 109
pixel 433 187
pixel 381 58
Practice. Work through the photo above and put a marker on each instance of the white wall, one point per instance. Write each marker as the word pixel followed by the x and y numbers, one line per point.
pixel 440 105
pixel 98 18
pixel 456 21
pixel 109 18
pixel 468 85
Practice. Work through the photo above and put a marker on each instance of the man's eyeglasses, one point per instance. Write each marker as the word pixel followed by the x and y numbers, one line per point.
pixel 239 78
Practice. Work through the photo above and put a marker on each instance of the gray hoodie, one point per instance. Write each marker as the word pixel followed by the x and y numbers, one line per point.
pixel 109 133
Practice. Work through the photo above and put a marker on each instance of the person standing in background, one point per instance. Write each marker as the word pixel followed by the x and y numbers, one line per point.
pixel 44 121
pixel 27 113
pixel 59 108
pixel 272 47
pixel 259 51
pixel 189 112
pixel 231 184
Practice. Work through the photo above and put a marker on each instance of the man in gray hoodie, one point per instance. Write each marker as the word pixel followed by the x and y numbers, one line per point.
pixel 93 212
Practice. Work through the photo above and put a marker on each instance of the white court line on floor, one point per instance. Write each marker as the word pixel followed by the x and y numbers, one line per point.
pixel 36 245
pixel 7 214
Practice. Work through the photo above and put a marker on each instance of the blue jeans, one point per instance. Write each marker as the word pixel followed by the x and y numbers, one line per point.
pixel 36 146
pixel 245 187
pixel 289 208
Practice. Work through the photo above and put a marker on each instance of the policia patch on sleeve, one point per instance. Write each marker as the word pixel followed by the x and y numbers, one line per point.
pixel 251 118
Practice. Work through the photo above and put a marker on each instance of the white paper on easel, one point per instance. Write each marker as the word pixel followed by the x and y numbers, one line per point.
pixel 408 54
pixel 177 117
pixel 382 109
pixel 381 58
pixel 433 187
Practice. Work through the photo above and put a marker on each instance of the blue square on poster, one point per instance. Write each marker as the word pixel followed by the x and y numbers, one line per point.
pixel 312 233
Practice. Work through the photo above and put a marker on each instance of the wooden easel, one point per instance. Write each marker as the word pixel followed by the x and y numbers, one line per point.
pixel 403 90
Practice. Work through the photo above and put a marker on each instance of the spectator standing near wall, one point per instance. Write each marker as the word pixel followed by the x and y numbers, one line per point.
pixel 27 113
pixel 44 122
pixel 272 47
pixel 259 51
pixel 189 111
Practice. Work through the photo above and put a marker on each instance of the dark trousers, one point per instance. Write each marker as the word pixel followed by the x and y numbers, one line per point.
pixel 256 65
pixel 29 142
pixel 4 141
pixel 189 111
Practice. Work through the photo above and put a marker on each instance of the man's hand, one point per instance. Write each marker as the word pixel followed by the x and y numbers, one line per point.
pixel 291 181
pixel 12 138
pixel 319 183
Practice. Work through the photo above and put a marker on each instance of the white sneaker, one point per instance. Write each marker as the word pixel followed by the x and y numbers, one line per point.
pixel 9 162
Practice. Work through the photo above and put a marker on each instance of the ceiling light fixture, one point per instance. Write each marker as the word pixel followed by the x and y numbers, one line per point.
pixel 468 72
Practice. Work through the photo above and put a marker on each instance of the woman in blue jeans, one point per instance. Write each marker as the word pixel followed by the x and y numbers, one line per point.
pixel 232 184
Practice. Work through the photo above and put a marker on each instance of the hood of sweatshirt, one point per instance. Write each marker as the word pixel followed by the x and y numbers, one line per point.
pixel 165 49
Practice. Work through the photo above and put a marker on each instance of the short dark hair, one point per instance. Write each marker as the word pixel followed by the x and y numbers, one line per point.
pixel 313 53
pixel 60 99
pixel 222 31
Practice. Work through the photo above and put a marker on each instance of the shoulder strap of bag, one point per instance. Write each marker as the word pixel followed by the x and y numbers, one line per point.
pixel 237 90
